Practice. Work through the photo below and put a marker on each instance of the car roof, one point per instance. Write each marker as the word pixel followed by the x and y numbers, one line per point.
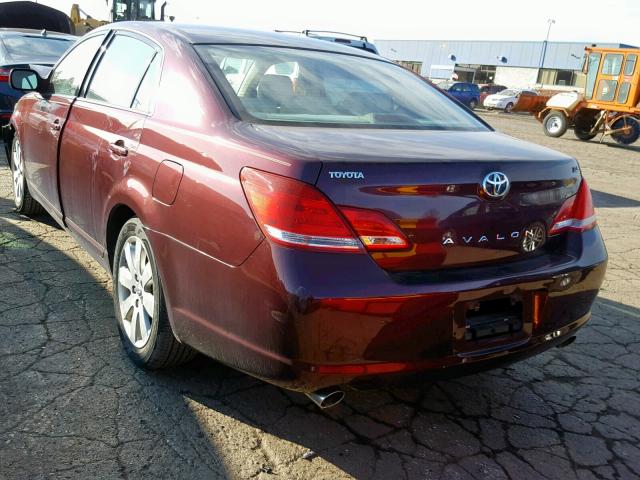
pixel 13 32
pixel 207 34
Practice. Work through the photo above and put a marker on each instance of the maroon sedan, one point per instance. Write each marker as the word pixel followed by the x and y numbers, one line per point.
pixel 305 212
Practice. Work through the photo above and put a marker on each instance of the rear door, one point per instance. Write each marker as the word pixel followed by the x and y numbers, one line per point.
pixel 103 130
pixel 42 127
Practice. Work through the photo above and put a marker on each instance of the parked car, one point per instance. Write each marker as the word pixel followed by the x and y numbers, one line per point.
pixel 361 228
pixel 21 48
pixel 466 93
pixel 506 99
pixel 487 89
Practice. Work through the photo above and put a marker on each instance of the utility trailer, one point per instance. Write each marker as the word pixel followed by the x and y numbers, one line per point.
pixel 610 104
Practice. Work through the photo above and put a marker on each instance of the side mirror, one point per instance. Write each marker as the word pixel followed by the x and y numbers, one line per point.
pixel 25 79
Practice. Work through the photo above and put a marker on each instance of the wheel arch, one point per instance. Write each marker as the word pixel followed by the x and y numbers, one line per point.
pixel 8 132
pixel 118 216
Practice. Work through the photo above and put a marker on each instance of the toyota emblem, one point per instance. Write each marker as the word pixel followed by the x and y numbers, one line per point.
pixel 496 185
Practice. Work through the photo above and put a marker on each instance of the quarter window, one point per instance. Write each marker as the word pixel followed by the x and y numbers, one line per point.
pixel 612 64
pixel 630 66
pixel 67 77
pixel 120 71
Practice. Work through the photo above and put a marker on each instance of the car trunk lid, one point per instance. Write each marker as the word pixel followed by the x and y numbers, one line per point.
pixel 445 212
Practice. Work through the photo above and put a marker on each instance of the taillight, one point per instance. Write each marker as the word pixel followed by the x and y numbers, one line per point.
pixel 377 232
pixel 4 74
pixel 577 213
pixel 295 214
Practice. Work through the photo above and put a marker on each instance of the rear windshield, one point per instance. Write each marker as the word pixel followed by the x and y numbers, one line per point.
pixel 29 47
pixel 294 86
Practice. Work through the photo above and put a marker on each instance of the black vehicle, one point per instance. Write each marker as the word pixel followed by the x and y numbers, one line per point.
pixel 26 48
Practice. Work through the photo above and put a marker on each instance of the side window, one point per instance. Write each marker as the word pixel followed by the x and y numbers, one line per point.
pixel 623 92
pixel 120 71
pixel 143 100
pixel 592 73
pixel 606 90
pixel 69 73
pixel 630 66
pixel 612 64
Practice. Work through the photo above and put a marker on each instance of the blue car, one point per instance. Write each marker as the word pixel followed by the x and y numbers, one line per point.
pixel 24 48
pixel 466 93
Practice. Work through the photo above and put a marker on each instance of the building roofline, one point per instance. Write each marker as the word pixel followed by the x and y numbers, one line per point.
pixel 563 42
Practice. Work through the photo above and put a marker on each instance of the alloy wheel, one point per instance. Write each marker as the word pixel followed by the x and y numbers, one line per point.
pixel 136 295
pixel 18 173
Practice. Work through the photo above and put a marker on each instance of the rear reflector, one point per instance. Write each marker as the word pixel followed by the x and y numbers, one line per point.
pixel 577 213
pixel 295 214
pixel 377 232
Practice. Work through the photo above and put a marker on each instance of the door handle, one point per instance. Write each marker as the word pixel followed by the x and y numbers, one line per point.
pixel 118 148
pixel 55 125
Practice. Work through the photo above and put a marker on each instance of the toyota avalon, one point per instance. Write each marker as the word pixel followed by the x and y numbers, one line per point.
pixel 308 213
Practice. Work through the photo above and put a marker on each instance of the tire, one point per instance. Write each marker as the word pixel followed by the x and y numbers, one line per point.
pixel 489 108
pixel 583 123
pixel 473 104
pixel 583 135
pixel 23 201
pixel 508 108
pixel 141 311
pixel 631 136
pixel 555 124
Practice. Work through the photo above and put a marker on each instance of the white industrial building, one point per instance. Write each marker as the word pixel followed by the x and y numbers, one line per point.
pixel 553 65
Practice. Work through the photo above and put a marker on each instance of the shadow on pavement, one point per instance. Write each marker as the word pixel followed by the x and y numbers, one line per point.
pixel 72 404
pixel 607 200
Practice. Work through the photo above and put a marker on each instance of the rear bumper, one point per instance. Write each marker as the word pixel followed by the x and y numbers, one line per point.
pixel 305 321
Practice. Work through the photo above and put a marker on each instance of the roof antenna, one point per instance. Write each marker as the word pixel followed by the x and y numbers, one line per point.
pixel 43 33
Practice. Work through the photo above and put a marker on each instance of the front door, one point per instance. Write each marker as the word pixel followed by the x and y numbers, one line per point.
pixel 41 133
pixel 102 133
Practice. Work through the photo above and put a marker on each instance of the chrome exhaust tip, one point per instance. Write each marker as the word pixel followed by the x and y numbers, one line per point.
pixel 567 342
pixel 326 398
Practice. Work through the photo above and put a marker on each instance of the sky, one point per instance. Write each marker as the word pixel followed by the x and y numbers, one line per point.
pixel 576 20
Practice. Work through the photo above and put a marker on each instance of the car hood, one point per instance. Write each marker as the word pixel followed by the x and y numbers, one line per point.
pixel 384 145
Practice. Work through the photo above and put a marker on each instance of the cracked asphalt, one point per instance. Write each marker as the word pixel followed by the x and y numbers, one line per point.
pixel 73 406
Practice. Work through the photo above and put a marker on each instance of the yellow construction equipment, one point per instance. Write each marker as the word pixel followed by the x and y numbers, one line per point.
pixel 120 10
pixel 610 104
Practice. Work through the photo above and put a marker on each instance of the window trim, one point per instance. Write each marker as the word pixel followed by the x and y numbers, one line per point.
pixel 135 35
